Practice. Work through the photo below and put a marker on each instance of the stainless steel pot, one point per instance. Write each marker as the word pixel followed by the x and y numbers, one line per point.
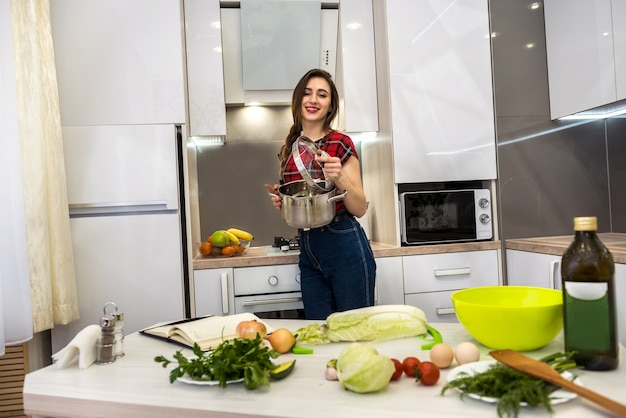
pixel 307 207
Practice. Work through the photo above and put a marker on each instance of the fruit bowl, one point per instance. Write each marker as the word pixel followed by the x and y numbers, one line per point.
pixel 231 249
pixel 521 318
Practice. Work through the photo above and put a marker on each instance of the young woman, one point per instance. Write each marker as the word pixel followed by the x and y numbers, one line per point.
pixel 337 266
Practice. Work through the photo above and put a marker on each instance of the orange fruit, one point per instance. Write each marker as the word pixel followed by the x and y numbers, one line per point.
pixel 230 250
pixel 239 249
pixel 205 248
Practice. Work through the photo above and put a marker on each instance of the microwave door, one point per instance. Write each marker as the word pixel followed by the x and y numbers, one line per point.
pixel 433 217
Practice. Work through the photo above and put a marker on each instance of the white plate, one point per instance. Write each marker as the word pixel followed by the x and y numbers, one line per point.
pixel 557 397
pixel 190 381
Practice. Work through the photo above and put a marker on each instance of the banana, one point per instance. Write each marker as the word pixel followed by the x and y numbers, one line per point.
pixel 232 237
pixel 241 234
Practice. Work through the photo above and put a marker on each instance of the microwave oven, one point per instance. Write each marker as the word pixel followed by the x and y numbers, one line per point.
pixel 445 216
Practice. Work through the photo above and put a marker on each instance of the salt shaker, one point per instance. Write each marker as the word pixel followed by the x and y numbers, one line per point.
pixel 105 345
pixel 119 334
pixel 119 329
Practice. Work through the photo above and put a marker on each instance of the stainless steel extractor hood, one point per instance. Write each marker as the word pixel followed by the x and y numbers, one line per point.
pixel 260 42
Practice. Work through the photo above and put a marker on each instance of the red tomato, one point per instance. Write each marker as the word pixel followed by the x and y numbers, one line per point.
pixel 399 369
pixel 409 365
pixel 427 373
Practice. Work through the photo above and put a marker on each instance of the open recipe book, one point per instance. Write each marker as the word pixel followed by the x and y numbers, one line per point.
pixel 208 331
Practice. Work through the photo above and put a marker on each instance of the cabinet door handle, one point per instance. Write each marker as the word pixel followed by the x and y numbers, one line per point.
pixel 452 272
pixel 253 302
pixel 224 279
pixel 375 294
pixel 444 311
pixel 554 265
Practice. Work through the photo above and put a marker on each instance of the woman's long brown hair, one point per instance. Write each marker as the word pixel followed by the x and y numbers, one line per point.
pixel 296 111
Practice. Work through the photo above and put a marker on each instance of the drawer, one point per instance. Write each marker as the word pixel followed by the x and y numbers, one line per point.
pixel 436 305
pixel 266 279
pixel 450 271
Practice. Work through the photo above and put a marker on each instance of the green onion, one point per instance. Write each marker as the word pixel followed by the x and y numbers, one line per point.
pixel 437 338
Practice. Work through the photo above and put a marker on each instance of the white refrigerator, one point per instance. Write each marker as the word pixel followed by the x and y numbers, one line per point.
pixel 124 192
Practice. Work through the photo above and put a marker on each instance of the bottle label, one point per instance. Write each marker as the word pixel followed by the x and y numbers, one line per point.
pixel 587 325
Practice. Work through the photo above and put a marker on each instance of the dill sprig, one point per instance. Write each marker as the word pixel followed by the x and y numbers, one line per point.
pixel 511 387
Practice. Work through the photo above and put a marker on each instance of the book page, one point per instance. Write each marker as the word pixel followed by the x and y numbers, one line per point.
pixel 215 327
pixel 208 332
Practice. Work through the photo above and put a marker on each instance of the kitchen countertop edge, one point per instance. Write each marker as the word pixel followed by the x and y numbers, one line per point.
pixel 556 245
pixel 257 256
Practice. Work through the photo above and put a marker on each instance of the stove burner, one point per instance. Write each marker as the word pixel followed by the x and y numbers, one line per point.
pixel 287 244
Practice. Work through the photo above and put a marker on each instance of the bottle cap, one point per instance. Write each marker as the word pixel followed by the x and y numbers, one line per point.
pixel 586 223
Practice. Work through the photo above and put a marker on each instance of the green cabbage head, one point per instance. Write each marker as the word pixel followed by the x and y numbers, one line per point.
pixel 361 369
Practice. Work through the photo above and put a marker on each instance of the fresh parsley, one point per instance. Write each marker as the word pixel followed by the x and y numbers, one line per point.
pixel 232 359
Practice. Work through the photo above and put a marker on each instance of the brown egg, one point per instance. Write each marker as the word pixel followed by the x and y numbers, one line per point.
pixel 442 355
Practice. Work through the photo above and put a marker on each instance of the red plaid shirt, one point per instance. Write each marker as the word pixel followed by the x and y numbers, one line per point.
pixel 335 144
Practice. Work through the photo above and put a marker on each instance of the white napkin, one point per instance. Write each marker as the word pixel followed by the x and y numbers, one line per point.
pixel 81 348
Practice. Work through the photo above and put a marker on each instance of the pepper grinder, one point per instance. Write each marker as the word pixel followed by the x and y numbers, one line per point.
pixel 105 345
pixel 119 328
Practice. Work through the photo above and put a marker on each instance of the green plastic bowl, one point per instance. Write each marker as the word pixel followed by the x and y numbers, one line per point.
pixel 520 318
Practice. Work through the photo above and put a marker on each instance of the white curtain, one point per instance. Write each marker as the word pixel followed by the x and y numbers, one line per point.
pixel 37 281
pixel 16 323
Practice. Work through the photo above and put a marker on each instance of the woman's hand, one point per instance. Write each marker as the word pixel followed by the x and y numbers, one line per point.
pixel 331 167
pixel 347 177
pixel 273 191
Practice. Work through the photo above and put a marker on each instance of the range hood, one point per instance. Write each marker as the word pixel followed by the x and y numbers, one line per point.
pixel 261 41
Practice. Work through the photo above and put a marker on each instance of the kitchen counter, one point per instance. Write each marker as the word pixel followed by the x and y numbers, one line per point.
pixel 616 243
pixel 263 256
pixel 135 386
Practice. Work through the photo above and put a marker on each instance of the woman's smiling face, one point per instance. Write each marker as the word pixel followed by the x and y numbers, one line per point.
pixel 316 102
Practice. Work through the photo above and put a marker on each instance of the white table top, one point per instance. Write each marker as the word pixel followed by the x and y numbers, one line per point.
pixel 137 386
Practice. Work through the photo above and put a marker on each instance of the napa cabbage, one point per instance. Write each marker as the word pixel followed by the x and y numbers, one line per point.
pixel 374 323
pixel 361 369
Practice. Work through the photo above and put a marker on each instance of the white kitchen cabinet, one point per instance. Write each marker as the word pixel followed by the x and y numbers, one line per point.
pixel 436 305
pixel 430 280
pixel 213 292
pixel 585 46
pixel 619 47
pixel 440 83
pixel 526 268
pixel 389 283
pixel 358 66
pixel 205 74
pixel 119 62
pixel 228 291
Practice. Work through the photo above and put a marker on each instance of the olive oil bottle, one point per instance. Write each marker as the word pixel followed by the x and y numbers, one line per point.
pixel 589 311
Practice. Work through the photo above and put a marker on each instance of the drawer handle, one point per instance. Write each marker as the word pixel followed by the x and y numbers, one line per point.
pixel 453 272
pixel 444 311
pixel 224 279
pixel 554 267
pixel 253 302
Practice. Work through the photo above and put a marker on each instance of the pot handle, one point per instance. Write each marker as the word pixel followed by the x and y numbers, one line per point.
pixel 339 196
